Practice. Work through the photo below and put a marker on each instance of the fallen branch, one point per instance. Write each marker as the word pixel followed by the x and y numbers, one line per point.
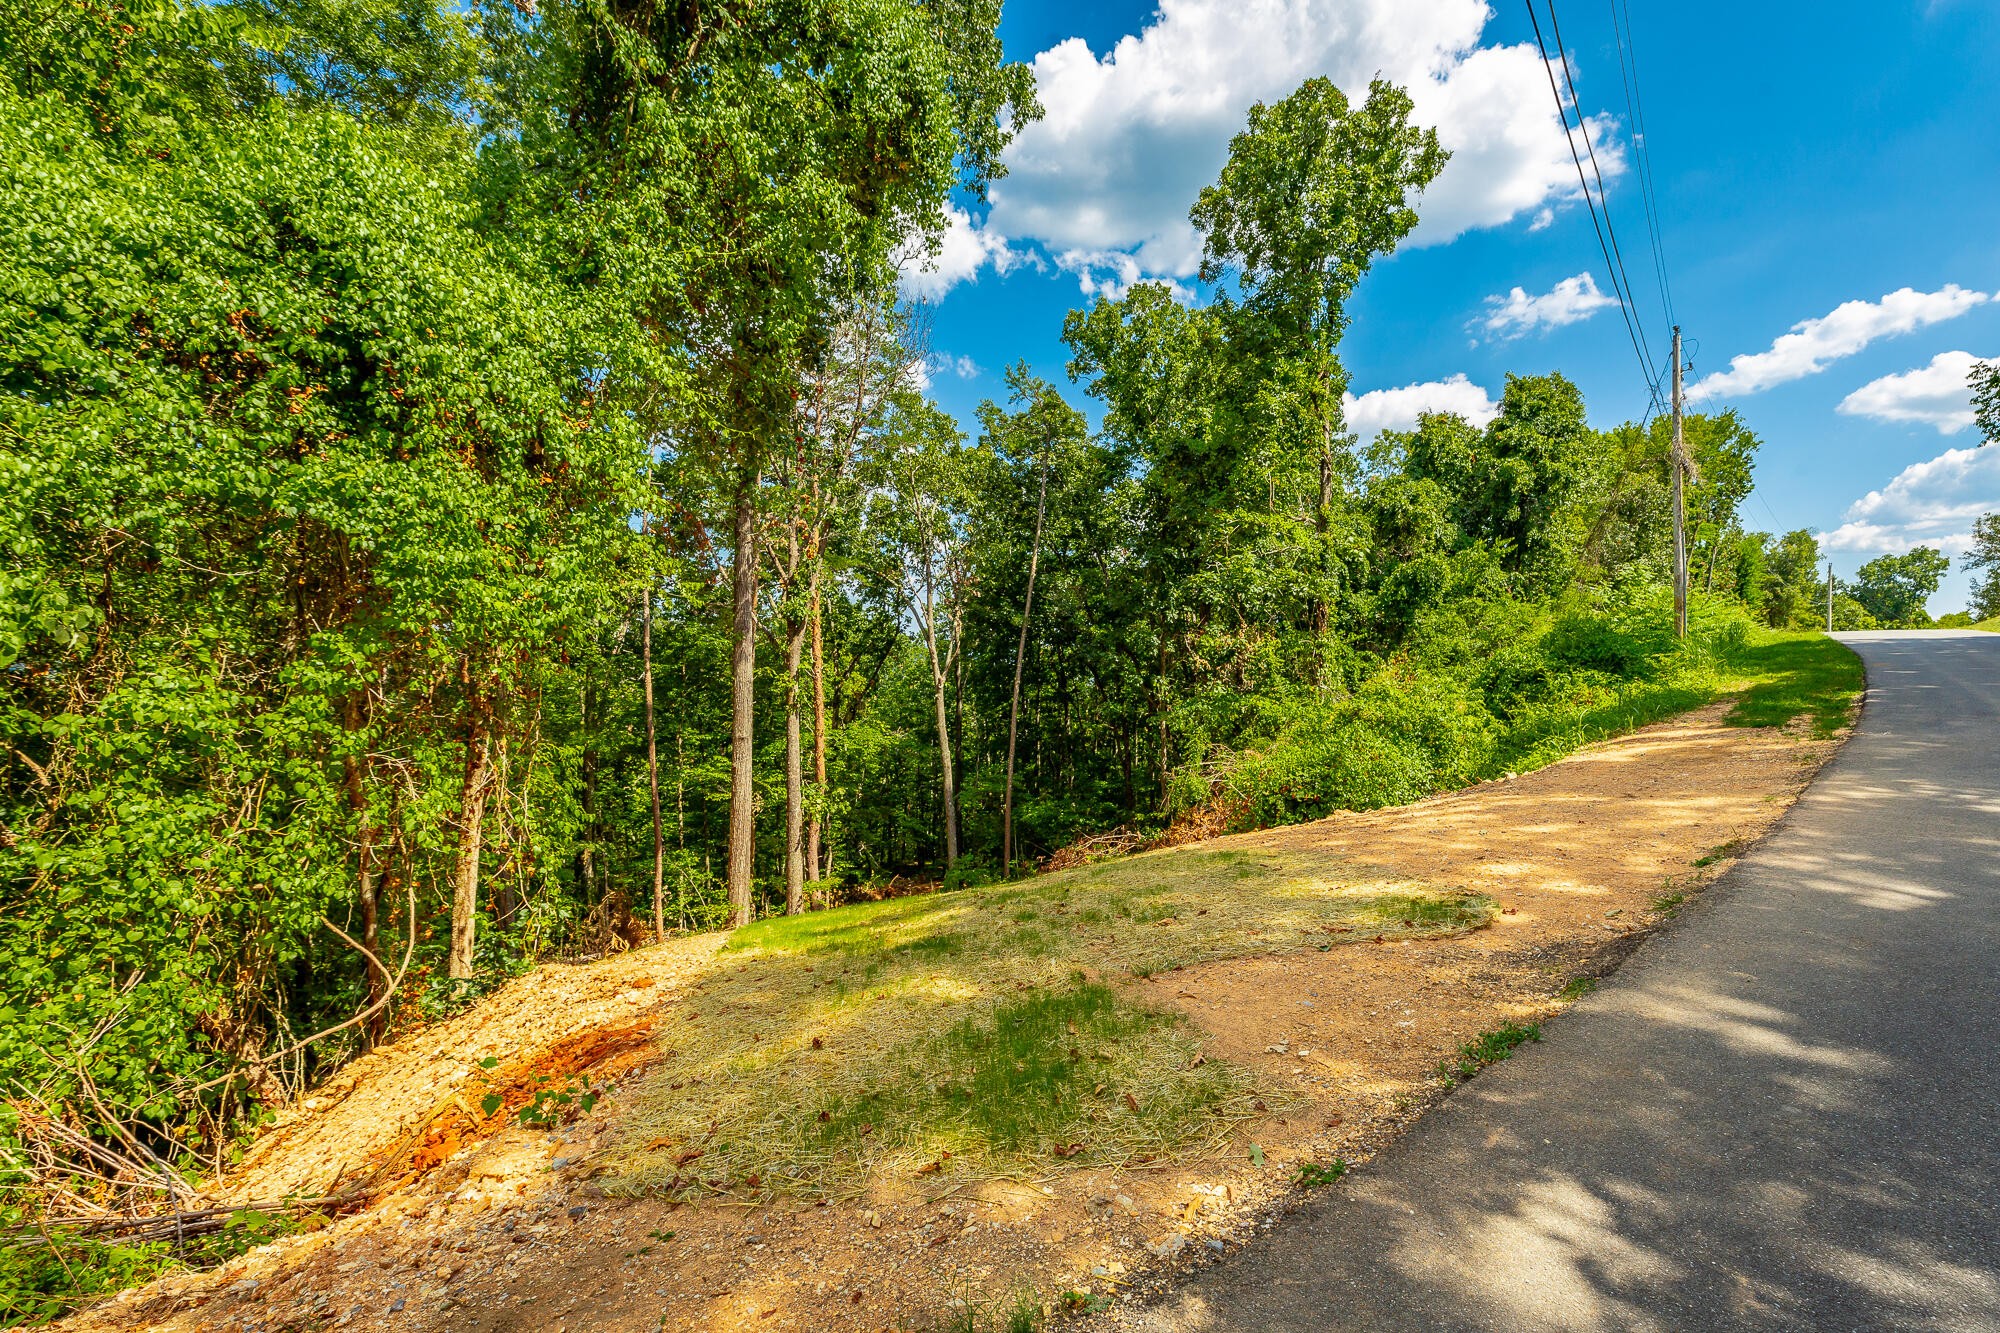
pixel 409 951
pixel 177 1224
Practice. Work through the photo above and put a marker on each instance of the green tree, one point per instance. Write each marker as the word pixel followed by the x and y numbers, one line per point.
pixel 1894 588
pixel 1984 554
pixel 1794 592
pixel 1514 485
pixel 1985 384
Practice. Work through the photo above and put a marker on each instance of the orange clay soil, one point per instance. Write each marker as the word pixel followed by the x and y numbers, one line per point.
pixel 481 1225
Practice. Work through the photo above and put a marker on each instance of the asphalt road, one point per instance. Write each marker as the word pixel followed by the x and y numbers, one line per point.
pixel 1784 1113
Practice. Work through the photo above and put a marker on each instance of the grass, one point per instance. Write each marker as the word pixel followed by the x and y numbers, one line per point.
pixel 1488 1048
pixel 976 1031
pixel 1576 988
pixel 1779 675
pixel 1786 676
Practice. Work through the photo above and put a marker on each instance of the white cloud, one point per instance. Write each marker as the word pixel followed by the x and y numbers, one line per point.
pixel 922 372
pixel 1129 139
pixel 1813 343
pixel 1927 504
pixel 1398 409
pixel 965 247
pixel 1112 273
pixel 1934 395
pixel 1568 302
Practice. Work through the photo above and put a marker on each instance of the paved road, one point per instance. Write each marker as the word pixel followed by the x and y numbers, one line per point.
pixel 1783 1114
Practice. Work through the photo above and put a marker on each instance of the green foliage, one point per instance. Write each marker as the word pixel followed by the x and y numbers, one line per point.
pixel 1316 1175
pixel 1892 589
pixel 1486 1049
pixel 40 1284
pixel 1984 379
pixel 1984 554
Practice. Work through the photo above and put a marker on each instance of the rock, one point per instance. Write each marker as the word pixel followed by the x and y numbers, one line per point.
pixel 1173 1243
pixel 396 1306
pixel 578 1211
pixel 1215 1245
pixel 1126 1206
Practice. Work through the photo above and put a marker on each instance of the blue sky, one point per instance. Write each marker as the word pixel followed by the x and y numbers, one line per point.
pixel 1828 180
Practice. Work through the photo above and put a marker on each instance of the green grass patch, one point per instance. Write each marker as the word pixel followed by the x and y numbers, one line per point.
pixel 976 1031
pixel 1792 675
pixel 1314 1175
pixel 1576 988
pixel 1487 1048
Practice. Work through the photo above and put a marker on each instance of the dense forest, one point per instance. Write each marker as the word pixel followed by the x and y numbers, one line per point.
pixel 472 498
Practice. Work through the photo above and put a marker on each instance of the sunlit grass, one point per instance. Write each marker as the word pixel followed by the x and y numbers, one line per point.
pixel 1793 675
pixel 980 1031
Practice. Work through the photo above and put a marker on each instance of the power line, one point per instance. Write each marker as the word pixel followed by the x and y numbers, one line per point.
pixel 1583 127
pixel 1642 149
pixel 1590 200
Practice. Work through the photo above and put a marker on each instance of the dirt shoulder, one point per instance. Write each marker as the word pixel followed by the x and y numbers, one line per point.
pixel 481 1224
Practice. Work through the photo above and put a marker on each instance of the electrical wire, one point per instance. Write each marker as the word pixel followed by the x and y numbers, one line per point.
pixel 1642 153
pixel 1611 270
pixel 1604 197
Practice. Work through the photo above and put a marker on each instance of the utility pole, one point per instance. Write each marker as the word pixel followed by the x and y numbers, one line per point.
pixel 1829 597
pixel 1680 516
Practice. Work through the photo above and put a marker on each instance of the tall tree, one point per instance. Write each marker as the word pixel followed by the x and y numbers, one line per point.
pixel 1984 381
pixel 1984 554
pixel 1894 588
pixel 923 485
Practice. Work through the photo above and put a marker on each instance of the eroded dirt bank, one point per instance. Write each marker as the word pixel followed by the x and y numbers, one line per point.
pixel 481 1224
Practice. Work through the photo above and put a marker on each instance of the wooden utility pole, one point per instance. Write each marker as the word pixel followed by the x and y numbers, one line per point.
pixel 1829 597
pixel 1680 514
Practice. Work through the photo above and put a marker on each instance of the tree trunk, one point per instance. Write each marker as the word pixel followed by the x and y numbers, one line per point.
pixel 813 868
pixel 795 870
pixel 742 793
pixel 366 894
pixel 653 770
pixel 1014 708
pixel 471 821
pixel 1322 523
pixel 585 856
pixel 938 679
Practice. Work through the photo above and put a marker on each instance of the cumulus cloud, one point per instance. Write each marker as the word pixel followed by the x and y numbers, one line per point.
pixel 1398 409
pixel 923 371
pixel 924 274
pixel 1932 503
pixel 1131 137
pixel 1814 343
pixel 1935 395
pixel 1569 302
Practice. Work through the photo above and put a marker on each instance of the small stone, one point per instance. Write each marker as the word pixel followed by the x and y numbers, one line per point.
pixel 578 1211
pixel 1215 1245
pixel 1166 1248
pixel 753 1239
pixel 1126 1206
pixel 559 1164
pixel 396 1306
